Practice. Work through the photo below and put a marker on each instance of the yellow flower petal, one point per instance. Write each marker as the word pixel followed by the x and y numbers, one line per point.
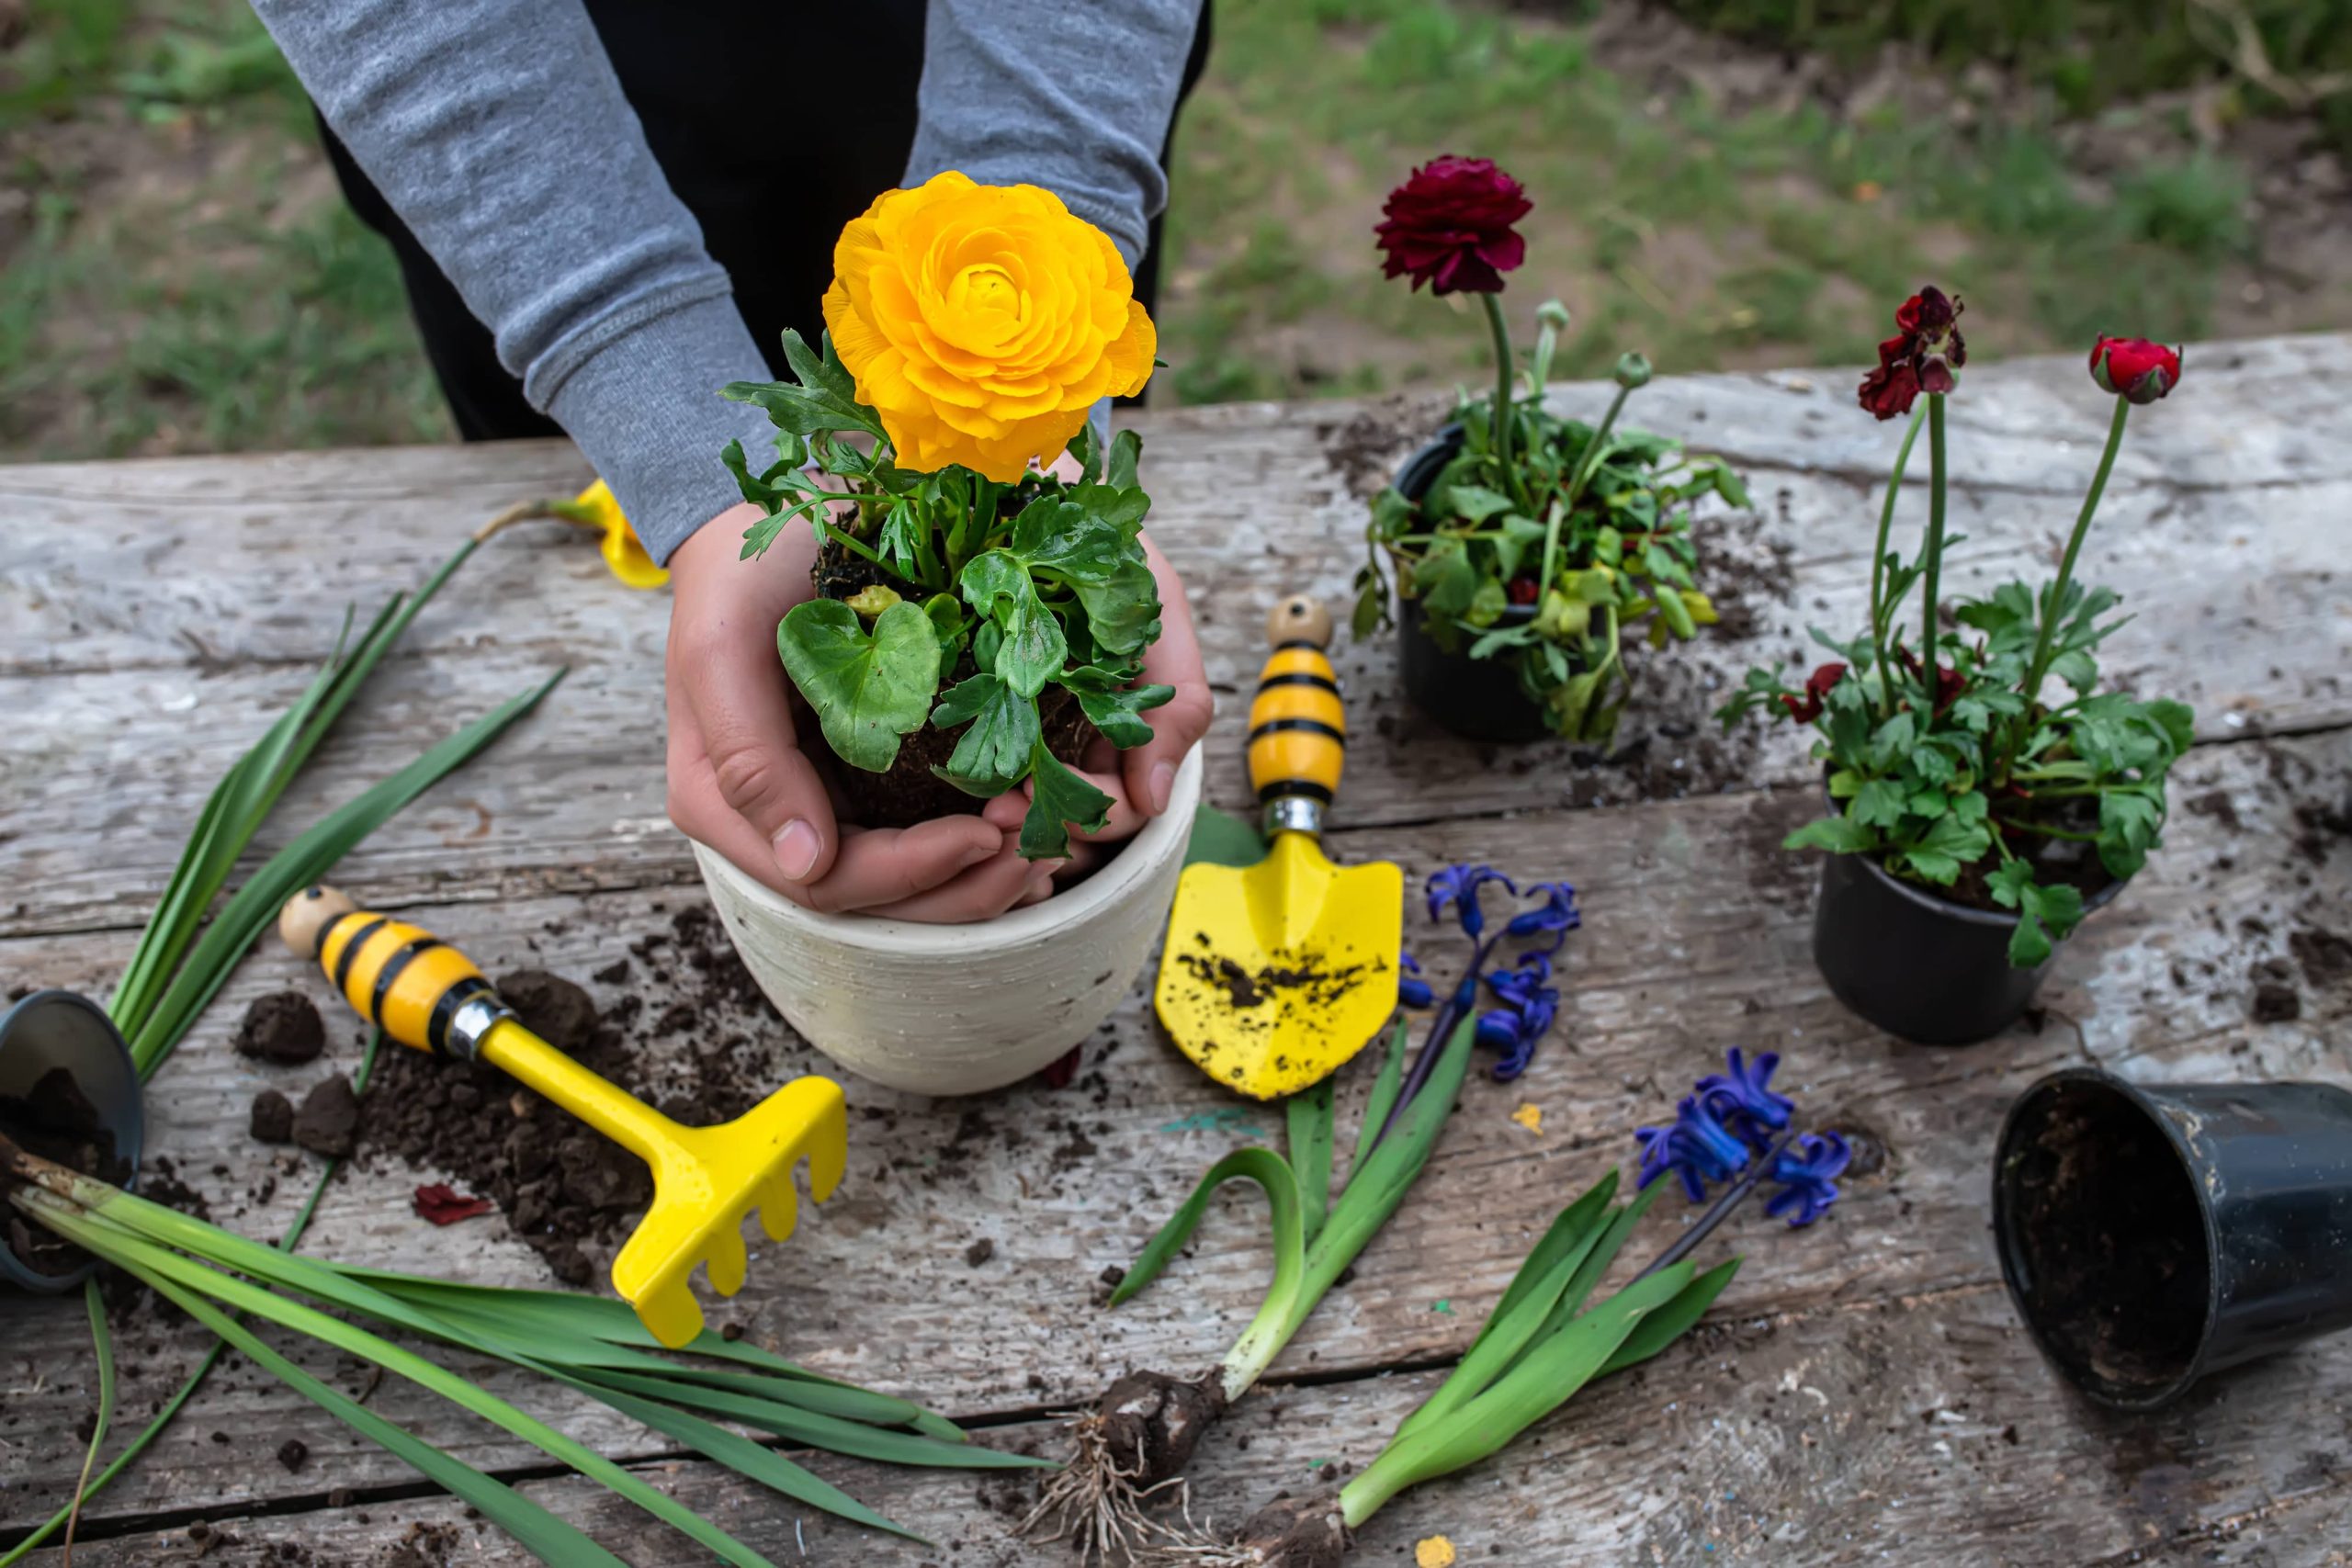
pixel 981 323
pixel 1433 1552
pixel 1530 1116
pixel 622 552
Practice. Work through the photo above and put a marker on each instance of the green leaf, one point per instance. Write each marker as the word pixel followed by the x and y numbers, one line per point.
pixel 1033 650
pixel 825 400
pixel 1949 844
pixel 1879 803
pixel 2077 669
pixel 1220 838
pixel 1385 1087
pixel 1519 535
pixel 993 754
pixel 1308 1114
pixel 1113 706
pixel 1665 1324
pixel 1060 800
pixel 1101 560
pixel 869 688
pixel 1473 503
pixel 1444 580
pixel 1119 468
pixel 1838 835
pixel 1275 1178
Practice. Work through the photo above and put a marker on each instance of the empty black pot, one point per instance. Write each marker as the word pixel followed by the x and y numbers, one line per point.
pixel 1923 969
pixel 57 1032
pixel 1478 699
pixel 2153 1233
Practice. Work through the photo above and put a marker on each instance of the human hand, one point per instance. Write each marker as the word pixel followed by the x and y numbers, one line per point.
pixel 739 783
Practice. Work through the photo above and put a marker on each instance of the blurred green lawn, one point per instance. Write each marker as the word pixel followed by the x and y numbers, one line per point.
pixel 181 276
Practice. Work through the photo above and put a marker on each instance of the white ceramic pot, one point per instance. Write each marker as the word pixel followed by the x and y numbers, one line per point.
pixel 956 1010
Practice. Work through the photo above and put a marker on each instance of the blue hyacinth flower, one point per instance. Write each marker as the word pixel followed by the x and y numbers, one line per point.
pixel 1555 916
pixel 1457 887
pixel 1742 1100
pixel 1806 1171
pixel 1412 991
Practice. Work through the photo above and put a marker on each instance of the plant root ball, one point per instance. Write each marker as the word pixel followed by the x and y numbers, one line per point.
pixel 1296 1532
pixel 1150 1423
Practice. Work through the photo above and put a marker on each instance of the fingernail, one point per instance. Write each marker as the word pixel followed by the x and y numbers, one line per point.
pixel 1163 785
pixel 795 850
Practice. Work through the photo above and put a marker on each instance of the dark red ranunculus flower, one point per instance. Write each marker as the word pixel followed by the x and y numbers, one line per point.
pixel 1949 683
pixel 1817 690
pixel 1450 226
pixel 1922 355
pixel 2135 368
pixel 1521 589
pixel 445 1205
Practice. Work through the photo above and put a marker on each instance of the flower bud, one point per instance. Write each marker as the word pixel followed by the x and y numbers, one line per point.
pixel 871 599
pixel 2135 368
pixel 1552 314
pixel 1633 370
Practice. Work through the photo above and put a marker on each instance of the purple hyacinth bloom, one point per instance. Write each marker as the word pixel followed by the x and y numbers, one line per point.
pixel 1806 1171
pixel 1412 991
pixel 1530 1006
pixel 1556 916
pixel 1457 886
pixel 1697 1148
pixel 1742 1100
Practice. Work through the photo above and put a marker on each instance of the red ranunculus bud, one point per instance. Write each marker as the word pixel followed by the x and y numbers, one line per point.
pixel 1817 690
pixel 1922 357
pixel 2135 368
pixel 1450 226
pixel 1523 589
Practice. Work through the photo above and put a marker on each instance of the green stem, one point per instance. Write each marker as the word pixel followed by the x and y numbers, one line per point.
pixel 1932 627
pixel 2054 607
pixel 1504 378
pixel 1588 461
pixel 1878 565
pixel 2047 832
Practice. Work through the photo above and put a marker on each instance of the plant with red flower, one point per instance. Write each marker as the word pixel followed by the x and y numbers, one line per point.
pixel 1924 355
pixel 1805 709
pixel 1949 758
pixel 1449 225
pixel 1536 539
pixel 2135 368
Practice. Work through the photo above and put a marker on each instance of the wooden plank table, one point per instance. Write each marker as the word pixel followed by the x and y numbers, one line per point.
pixel 1863 1394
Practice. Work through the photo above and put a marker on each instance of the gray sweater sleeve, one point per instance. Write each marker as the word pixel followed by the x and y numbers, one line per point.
pixel 499 132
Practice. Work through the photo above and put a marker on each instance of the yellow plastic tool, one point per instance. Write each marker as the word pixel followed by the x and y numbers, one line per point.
pixel 1275 975
pixel 705 1179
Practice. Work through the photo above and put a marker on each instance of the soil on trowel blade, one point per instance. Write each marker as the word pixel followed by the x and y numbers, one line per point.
pixel 55 1121
pixel 567 1190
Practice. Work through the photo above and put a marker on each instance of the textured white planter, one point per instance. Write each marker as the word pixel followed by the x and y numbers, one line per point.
pixel 956 1009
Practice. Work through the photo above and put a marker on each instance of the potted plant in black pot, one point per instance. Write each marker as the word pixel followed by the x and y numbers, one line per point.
pixel 1526 547
pixel 1986 793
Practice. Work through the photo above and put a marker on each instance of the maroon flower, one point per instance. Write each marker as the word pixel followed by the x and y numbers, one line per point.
pixel 1949 683
pixel 2135 368
pixel 1920 357
pixel 1817 690
pixel 1523 589
pixel 1450 226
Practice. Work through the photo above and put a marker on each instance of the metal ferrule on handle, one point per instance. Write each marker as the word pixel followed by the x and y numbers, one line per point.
pixel 402 978
pixel 1298 736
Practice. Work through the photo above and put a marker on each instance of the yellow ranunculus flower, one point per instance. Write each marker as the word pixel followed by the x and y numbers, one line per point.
pixel 596 508
pixel 981 323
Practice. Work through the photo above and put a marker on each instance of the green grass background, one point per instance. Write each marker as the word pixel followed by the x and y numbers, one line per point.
pixel 180 273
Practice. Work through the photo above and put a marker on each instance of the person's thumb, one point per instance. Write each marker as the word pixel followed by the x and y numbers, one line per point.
pixel 766 781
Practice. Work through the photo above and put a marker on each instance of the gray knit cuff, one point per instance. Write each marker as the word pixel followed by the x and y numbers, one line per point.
pixel 646 410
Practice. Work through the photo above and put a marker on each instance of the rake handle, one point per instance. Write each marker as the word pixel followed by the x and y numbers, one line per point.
pixel 1298 731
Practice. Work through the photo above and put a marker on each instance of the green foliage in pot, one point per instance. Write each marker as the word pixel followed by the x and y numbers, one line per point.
pixel 981 595
pixel 1958 771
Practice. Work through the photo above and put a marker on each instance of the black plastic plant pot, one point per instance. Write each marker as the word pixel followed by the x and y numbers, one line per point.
pixel 1478 699
pixel 1923 969
pixel 2154 1232
pixel 95 1102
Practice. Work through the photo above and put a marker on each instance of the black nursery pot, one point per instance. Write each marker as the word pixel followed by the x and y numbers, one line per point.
pixel 59 1032
pixel 1922 968
pixel 2154 1232
pixel 1478 699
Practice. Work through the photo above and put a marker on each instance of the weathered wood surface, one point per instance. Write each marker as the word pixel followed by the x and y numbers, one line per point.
pixel 551 849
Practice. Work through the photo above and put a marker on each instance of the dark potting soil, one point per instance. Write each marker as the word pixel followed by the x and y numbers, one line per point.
pixel 55 1121
pixel 2109 1229
pixel 328 1120
pixel 567 1190
pixel 282 1027
pixel 909 791
pixel 271 1119
pixel 2055 862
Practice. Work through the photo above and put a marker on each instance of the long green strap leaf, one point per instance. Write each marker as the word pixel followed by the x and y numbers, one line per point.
pixel 102 1347
pixel 212 1353
pixel 256 905
pixel 353 1340
pixel 831 1433
pixel 546 1537
pixel 1272 1173
pixel 1385 1087
pixel 1663 1327
pixel 1308 1114
pixel 1566 1234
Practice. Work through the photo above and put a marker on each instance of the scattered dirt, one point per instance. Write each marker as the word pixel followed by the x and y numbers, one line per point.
pixel 2274 998
pixel 1258 1004
pixel 271 1120
pixel 56 1121
pixel 1297 1532
pixel 283 1027
pixel 293 1453
pixel 568 1191
pixel 327 1123
pixel 979 1252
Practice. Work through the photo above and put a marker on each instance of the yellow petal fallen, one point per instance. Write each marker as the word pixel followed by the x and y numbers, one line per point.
pixel 1434 1553
pixel 1530 1116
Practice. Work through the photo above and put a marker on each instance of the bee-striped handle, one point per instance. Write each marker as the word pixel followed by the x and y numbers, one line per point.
pixel 394 974
pixel 1298 733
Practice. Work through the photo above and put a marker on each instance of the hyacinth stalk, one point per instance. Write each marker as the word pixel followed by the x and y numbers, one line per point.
pixel 587 1344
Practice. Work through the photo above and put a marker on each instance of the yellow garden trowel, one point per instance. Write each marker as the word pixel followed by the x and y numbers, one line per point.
pixel 1275 974
pixel 705 1179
